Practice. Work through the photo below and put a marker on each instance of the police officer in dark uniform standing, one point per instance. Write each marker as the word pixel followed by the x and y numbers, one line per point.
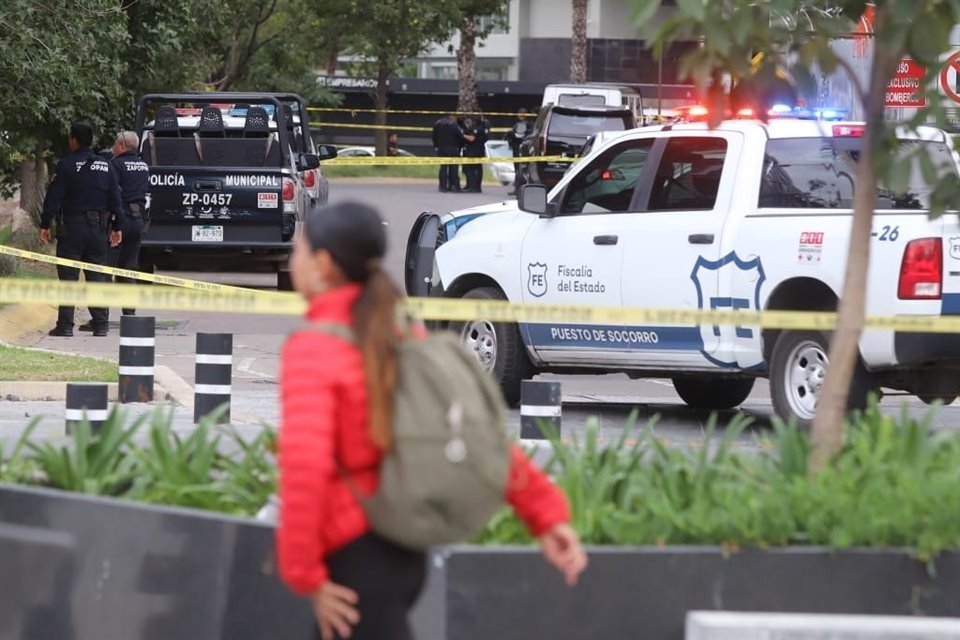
pixel 475 135
pixel 133 176
pixel 447 140
pixel 84 196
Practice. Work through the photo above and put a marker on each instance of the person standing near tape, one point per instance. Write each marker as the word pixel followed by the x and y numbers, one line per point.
pixel 475 133
pixel 447 140
pixel 133 176
pixel 84 197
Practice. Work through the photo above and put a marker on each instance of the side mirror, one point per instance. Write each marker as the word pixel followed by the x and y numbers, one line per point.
pixel 308 161
pixel 327 152
pixel 532 198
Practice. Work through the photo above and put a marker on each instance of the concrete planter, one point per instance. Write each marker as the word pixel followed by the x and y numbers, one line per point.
pixel 91 568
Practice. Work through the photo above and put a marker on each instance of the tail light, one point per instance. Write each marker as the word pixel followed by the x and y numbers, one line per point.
pixel 310 178
pixel 848 130
pixel 289 196
pixel 289 191
pixel 921 271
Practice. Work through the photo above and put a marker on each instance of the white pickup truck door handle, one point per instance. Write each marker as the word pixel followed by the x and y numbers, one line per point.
pixel 700 238
pixel 606 240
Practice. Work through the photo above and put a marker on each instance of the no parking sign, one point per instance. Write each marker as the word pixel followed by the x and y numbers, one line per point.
pixel 950 77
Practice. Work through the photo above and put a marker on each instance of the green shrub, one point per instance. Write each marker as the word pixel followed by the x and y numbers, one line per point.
pixel 895 483
pixel 891 485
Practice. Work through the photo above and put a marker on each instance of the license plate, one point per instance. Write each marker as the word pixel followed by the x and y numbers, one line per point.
pixel 207 233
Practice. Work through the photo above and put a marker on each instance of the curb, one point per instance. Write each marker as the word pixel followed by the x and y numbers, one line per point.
pixel 168 386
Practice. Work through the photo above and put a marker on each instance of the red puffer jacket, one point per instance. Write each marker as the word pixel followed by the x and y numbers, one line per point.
pixel 324 413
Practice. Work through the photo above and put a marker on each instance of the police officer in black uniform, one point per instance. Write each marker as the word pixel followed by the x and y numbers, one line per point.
pixel 475 134
pixel 447 140
pixel 133 175
pixel 84 197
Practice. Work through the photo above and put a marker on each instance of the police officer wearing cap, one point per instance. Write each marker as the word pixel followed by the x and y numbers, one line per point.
pixel 133 176
pixel 84 197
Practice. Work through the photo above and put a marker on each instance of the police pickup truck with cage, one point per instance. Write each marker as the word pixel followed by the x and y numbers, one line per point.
pixel 232 176
pixel 748 215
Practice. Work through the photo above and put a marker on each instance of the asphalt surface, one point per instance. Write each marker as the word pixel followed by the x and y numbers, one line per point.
pixel 609 399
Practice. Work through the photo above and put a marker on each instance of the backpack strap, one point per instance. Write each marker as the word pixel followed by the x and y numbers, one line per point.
pixel 336 329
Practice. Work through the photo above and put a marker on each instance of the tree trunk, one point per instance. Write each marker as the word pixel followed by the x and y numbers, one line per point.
pixel 827 434
pixel 578 57
pixel 33 179
pixel 380 102
pixel 467 66
pixel 332 54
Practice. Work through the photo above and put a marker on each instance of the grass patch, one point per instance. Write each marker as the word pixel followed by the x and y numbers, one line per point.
pixel 11 267
pixel 18 364
pixel 389 171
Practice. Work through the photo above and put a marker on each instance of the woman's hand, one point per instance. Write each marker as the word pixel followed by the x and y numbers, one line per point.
pixel 335 609
pixel 561 547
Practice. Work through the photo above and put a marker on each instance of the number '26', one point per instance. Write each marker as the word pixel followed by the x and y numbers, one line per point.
pixel 889 234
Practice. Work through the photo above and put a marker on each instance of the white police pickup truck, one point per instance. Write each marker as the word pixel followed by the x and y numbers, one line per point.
pixel 744 216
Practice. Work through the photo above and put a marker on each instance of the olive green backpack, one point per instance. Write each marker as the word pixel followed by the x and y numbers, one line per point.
pixel 446 472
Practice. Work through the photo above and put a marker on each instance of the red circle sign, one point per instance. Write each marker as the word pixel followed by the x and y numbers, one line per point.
pixel 954 62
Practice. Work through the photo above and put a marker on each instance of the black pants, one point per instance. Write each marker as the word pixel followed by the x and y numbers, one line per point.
pixel 449 173
pixel 126 255
pixel 79 239
pixel 387 579
pixel 474 175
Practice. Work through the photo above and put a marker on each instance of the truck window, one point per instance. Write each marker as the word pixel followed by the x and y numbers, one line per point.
pixel 583 126
pixel 606 185
pixel 820 173
pixel 688 177
pixel 580 99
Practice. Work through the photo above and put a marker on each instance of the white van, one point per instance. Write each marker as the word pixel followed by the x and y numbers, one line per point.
pixel 594 94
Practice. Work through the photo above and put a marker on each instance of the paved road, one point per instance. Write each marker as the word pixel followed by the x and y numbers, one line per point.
pixel 257 342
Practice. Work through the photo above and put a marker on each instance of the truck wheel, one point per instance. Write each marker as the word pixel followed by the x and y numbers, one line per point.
pixel 798 367
pixel 709 392
pixel 284 281
pixel 930 399
pixel 497 345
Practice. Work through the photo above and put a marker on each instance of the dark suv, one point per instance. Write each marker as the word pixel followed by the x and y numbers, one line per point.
pixel 562 131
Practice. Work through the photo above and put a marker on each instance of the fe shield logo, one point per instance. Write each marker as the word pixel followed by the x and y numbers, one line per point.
pixel 537 279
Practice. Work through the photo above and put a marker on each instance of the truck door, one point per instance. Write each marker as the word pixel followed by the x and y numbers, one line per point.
pixel 674 256
pixel 575 257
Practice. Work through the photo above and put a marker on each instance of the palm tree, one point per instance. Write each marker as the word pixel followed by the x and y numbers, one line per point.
pixel 467 65
pixel 578 56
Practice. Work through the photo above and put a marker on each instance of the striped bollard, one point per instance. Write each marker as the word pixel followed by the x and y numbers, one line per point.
pixel 86 398
pixel 539 402
pixel 137 346
pixel 213 374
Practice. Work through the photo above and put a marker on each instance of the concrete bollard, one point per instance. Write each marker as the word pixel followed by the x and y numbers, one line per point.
pixel 213 374
pixel 539 402
pixel 137 350
pixel 86 398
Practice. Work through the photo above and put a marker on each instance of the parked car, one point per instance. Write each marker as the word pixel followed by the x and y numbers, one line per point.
pixel 562 131
pixel 365 152
pixel 502 172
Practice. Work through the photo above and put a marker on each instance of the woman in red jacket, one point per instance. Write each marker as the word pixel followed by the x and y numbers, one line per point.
pixel 336 414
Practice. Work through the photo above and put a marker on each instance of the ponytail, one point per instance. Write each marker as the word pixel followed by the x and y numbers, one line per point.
pixel 374 318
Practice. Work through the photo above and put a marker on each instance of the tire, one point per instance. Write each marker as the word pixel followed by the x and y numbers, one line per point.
pixel 798 366
pixel 284 281
pixel 497 345
pixel 930 399
pixel 710 392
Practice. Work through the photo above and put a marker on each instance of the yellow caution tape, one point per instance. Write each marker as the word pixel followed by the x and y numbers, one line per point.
pixel 31 291
pixel 426 160
pixel 433 112
pixel 114 271
pixel 390 127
